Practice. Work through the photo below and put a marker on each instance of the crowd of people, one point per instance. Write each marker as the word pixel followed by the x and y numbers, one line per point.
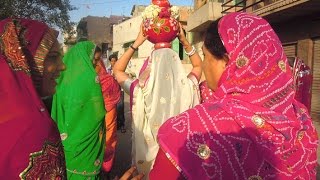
pixel 247 120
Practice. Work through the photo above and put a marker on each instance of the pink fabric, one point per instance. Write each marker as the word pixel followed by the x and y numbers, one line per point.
pixel 136 82
pixel 303 83
pixel 193 74
pixel 205 92
pixel 110 87
pixel 253 128
pixel 144 66
pixel 32 42
pixel 162 164
pixel 25 125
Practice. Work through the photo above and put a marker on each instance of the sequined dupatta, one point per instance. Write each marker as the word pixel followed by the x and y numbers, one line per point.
pixel 78 109
pixel 30 142
pixel 252 128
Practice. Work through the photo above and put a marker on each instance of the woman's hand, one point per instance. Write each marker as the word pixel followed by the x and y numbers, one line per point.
pixel 130 174
pixel 140 38
pixel 121 65
pixel 182 37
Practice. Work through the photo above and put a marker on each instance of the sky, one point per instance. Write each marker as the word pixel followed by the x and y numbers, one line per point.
pixel 112 7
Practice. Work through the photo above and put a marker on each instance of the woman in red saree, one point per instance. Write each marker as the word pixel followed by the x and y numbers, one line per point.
pixel 252 128
pixel 111 96
pixel 29 64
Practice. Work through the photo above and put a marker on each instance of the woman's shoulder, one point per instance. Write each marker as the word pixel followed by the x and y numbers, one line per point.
pixel 192 120
pixel 178 124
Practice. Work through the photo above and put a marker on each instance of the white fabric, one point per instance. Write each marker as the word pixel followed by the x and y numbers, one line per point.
pixel 166 93
pixel 126 85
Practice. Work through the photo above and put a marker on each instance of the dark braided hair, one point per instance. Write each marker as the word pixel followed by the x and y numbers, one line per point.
pixel 213 42
pixel 113 56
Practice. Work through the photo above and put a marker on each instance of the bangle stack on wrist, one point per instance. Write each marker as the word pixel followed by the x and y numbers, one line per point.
pixel 135 49
pixel 192 52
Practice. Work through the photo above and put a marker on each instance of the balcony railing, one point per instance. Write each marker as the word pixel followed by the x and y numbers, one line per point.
pixel 244 5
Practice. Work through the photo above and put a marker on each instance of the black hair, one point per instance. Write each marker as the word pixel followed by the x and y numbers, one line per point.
pixel 213 42
pixel 98 49
pixel 113 56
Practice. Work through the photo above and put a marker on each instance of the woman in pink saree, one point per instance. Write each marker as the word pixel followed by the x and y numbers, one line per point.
pixel 30 62
pixel 252 128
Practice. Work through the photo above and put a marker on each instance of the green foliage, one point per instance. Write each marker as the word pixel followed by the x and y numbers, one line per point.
pixel 53 12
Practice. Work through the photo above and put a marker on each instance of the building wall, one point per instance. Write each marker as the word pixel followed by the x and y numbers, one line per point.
pixel 98 29
pixel 297 29
pixel 301 35
pixel 137 10
pixel 127 32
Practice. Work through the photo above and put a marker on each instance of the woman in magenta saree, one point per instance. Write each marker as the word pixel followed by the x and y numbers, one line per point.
pixel 29 63
pixel 252 128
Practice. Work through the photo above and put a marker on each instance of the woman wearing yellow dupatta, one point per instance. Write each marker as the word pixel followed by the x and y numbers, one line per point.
pixel 78 110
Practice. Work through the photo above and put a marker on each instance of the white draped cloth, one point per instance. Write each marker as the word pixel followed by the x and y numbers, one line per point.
pixel 164 90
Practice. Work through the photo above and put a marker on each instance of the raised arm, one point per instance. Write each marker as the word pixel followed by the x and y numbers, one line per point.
pixel 192 53
pixel 121 64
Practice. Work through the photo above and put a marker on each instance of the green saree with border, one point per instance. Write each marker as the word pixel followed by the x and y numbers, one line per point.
pixel 78 110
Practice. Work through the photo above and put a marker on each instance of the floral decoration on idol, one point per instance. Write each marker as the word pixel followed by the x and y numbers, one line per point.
pixel 160 23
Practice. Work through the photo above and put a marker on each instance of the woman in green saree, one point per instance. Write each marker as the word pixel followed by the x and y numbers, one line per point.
pixel 78 109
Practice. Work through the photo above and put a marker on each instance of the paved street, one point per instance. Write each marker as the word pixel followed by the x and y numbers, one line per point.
pixel 123 151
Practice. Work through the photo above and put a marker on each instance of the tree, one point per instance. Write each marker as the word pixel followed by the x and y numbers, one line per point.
pixel 53 12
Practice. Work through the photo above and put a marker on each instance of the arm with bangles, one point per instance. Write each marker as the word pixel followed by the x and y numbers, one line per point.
pixel 192 53
pixel 121 65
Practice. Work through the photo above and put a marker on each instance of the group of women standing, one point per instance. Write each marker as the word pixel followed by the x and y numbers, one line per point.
pixel 250 127
pixel 71 145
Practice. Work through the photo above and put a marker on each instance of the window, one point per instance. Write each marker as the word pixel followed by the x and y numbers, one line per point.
pixel 240 3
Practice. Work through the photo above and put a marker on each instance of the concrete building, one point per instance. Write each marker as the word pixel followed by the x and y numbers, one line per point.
pixel 137 10
pixel 126 32
pixel 99 30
